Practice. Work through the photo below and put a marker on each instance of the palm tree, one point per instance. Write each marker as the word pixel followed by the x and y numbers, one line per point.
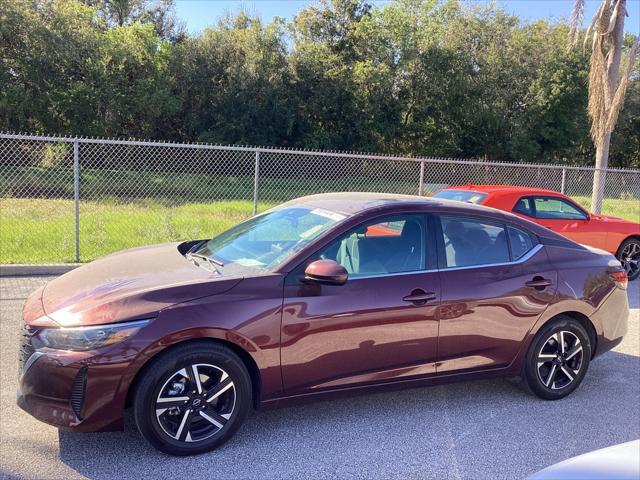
pixel 607 83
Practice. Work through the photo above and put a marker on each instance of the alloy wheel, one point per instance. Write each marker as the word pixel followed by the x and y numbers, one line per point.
pixel 560 360
pixel 195 403
pixel 630 258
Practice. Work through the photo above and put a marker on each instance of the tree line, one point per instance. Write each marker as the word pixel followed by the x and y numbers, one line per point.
pixel 410 77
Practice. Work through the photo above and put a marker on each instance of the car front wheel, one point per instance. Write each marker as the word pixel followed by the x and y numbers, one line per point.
pixel 192 399
pixel 558 359
pixel 629 256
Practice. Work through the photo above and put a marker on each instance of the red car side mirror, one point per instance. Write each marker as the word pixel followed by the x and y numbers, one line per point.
pixel 327 272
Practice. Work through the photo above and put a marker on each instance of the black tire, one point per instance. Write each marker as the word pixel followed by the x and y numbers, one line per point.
pixel 630 250
pixel 162 382
pixel 545 376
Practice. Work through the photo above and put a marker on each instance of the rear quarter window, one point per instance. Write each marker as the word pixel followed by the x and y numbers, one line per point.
pixel 523 206
pixel 520 241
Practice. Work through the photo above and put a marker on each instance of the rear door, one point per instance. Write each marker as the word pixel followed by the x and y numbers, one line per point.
pixel 380 325
pixel 496 281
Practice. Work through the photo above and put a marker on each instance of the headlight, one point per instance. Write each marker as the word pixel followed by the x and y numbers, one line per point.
pixel 80 339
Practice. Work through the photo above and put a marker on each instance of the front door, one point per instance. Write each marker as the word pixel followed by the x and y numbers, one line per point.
pixel 380 325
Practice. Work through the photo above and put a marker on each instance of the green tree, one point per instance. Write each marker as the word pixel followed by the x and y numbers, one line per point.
pixel 135 88
pixel 48 66
pixel 160 13
pixel 324 49
pixel 412 77
pixel 233 84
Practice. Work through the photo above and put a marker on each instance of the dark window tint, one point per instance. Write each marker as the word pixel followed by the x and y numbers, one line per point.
pixel 557 208
pixel 461 196
pixel 523 206
pixel 521 242
pixel 472 242
pixel 388 245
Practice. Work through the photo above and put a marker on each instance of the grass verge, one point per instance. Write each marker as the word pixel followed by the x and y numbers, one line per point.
pixel 42 231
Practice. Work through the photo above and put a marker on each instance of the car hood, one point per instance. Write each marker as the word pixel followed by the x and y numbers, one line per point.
pixel 129 285
pixel 610 219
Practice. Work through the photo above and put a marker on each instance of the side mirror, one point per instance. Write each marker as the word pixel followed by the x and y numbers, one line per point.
pixel 327 272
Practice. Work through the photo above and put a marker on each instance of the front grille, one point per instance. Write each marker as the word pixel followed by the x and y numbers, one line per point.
pixel 77 392
pixel 26 347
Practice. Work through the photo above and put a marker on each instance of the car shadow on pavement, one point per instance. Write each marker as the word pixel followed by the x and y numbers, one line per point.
pixel 476 429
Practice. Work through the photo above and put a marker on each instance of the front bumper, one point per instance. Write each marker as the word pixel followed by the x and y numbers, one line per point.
pixel 71 390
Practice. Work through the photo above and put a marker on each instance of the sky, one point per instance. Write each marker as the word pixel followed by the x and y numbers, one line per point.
pixel 198 14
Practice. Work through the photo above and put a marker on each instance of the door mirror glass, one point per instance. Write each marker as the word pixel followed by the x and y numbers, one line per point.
pixel 327 272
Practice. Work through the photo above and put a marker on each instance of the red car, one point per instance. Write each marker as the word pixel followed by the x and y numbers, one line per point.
pixel 561 214
pixel 324 295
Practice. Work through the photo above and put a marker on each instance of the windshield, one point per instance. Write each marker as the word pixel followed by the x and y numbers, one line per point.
pixel 265 241
pixel 461 196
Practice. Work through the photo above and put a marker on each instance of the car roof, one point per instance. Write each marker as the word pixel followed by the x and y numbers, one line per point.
pixel 351 203
pixel 503 189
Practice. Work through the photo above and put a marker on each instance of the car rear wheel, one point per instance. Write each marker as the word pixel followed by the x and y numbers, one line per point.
pixel 558 359
pixel 629 256
pixel 192 399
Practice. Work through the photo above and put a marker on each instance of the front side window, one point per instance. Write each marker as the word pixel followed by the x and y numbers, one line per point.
pixel 265 241
pixel 389 245
pixel 556 208
pixel 470 242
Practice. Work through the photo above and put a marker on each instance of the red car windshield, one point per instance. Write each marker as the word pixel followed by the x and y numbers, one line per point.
pixel 462 196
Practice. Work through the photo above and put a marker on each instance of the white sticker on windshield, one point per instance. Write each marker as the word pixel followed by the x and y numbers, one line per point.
pixel 336 217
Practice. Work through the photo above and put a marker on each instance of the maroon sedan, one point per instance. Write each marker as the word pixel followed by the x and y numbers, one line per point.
pixel 322 295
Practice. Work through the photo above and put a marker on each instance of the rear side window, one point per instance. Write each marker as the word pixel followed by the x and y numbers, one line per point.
pixel 470 242
pixel 520 241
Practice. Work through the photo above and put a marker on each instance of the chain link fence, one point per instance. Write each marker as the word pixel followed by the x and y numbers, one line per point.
pixel 73 199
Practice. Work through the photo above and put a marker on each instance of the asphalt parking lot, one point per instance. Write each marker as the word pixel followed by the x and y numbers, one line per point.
pixel 480 429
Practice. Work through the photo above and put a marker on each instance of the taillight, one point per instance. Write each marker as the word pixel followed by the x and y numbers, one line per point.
pixel 620 279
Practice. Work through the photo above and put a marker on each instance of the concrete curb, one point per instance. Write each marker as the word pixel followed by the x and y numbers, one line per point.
pixel 33 270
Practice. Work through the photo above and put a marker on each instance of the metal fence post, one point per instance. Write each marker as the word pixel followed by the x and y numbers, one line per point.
pixel 421 182
pixel 564 178
pixel 76 194
pixel 256 182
